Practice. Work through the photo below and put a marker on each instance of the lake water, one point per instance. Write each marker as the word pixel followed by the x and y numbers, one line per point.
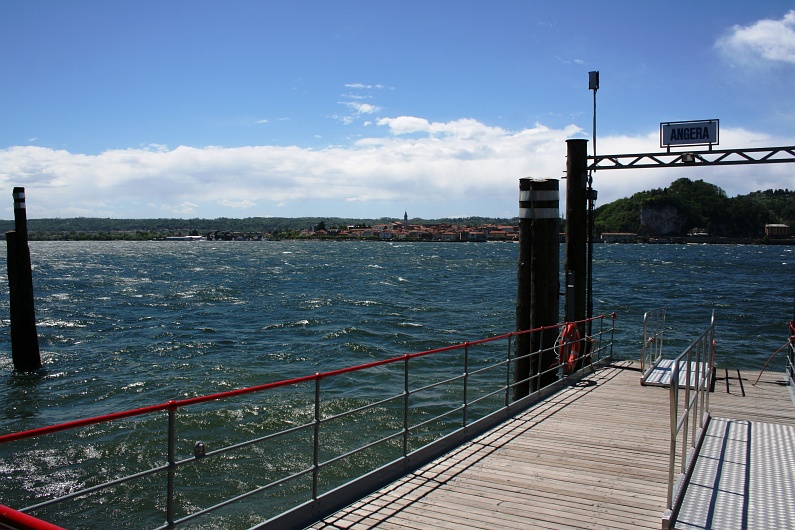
pixel 128 324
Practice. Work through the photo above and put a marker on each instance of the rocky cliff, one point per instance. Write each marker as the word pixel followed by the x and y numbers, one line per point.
pixel 661 220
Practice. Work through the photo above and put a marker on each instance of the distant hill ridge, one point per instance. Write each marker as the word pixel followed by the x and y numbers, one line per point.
pixel 92 228
pixel 683 206
pixel 686 205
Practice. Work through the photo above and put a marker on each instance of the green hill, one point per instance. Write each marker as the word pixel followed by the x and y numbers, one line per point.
pixel 686 205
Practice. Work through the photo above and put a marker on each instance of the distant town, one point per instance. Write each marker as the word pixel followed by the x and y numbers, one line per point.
pixel 684 212
pixel 404 231
pixel 338 229
pixel 450 232
pixel 383 231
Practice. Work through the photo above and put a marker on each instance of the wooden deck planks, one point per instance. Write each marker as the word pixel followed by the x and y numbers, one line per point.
pixel 764 402
pixel 594 455
pixel 556 466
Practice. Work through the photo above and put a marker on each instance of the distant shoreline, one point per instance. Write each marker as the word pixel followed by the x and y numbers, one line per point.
pixel 104 237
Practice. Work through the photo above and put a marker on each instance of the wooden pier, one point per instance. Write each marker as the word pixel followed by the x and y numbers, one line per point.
pixel 594 455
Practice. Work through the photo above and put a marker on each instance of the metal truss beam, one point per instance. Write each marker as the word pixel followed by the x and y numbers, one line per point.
pixel 722 157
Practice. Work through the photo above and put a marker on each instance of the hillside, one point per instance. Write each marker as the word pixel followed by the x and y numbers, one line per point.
pixel 686 205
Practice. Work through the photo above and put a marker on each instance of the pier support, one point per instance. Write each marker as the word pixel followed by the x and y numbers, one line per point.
pixel 24 338
pixel 537 302
pixel 576 231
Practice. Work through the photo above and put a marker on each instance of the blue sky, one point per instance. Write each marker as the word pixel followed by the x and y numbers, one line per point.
pixel 369 109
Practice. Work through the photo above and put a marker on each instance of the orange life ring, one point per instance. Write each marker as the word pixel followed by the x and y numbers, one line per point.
pixel 569 347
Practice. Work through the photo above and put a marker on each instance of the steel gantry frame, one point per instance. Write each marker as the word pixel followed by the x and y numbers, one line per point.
pixel 684 158
pixel 712 157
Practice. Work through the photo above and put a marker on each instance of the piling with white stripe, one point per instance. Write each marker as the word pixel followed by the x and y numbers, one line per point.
pixel 24 338
pixel 537 302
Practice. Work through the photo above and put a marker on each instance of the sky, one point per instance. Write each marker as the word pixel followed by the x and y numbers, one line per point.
pixel 369 109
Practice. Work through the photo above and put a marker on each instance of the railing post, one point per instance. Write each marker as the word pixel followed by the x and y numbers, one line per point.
pixel 406 405
pixel 172 466
pixel 686 423
pixel 673 410
pixel 466 379
pixel 696 389
pixel 612 334
pixel 511 338
pixel 316 440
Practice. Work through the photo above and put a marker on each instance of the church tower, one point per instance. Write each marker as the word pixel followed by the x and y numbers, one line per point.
pixel 405 220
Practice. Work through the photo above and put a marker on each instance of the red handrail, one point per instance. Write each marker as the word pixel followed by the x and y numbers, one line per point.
pixel 10 518
pixel 175 404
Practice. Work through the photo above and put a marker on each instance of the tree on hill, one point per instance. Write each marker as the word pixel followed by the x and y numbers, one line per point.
pixel 697 204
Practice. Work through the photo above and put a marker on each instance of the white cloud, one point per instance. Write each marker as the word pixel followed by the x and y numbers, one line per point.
pixel 450 167
pixel 569 61
pixel 771 40
pixel 155 147
pixel 354 100
pixel 186 208
pixel 360 108
pixel 406 124
pixel 363 86
pixel 241 204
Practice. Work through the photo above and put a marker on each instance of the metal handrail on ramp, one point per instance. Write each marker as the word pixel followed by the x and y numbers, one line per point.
pixel 689 418
pixel 653 332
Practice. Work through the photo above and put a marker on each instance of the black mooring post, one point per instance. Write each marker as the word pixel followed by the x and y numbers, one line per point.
pixel 576 228
pixel 24 338
pixel 537 302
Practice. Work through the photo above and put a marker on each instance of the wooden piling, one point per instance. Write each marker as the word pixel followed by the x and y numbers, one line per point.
pixel 24 338
pixel 537 302
pixel 576 232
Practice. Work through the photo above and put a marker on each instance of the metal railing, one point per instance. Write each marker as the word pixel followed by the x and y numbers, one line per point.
pixel 791 355
pixel 342 434
pixel 688 418
pixel 653 331
pixel 790 369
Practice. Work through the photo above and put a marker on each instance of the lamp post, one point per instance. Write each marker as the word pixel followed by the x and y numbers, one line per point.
pixel 593 84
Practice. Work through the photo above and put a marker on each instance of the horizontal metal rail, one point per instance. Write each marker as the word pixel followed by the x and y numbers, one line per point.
pixel 688 419
pixel 653 333
pixel 434 408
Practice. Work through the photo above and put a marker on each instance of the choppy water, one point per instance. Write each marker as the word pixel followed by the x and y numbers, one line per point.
pixel 128 324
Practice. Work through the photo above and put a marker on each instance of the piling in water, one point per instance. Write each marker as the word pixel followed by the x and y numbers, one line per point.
pixel 537 301
pixel 576 232
pixel 24 338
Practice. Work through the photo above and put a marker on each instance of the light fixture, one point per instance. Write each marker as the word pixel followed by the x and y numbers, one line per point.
pixel 593 80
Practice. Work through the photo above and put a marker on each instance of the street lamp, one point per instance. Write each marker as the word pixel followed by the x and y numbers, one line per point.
pixel 593 84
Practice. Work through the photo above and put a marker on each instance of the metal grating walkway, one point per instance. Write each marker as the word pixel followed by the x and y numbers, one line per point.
pixel 660 375
pixel 744 477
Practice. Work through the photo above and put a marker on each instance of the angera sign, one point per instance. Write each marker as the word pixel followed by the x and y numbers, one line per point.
pixel 703 132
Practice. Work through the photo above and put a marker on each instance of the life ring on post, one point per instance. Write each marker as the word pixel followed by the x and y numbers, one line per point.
pixel 569 347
